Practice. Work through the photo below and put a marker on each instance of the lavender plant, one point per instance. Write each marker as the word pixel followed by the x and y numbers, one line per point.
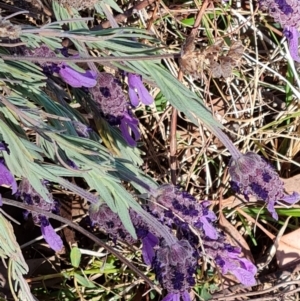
pixel 51 140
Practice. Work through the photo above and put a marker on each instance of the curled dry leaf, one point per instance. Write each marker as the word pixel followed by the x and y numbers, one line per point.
pixel 288 251
pixel 212 58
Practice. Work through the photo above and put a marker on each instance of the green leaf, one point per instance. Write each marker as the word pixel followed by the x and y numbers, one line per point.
pixel 75 257
pixel 84 281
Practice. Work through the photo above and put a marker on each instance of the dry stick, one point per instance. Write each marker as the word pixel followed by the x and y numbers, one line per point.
pixel 173 142
pixel 84 232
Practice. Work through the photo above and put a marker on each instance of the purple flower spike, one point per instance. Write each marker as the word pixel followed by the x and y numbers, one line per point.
pixel 128 122
pixel 51 237
pixel 175 267
pixel 77 79
pixel 6 178
pixel 251 175
pixel 292 36
pixel 184 205
pixel 137 91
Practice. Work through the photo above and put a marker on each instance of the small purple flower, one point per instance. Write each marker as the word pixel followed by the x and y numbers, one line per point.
pixel 149 242
pixel 137 91
pixel 251 175
pixel 72 77
pixel 51 237
pixel 129 123
pixel 76 79
pixel 6 178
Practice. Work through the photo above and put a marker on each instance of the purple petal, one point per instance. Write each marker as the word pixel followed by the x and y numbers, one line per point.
pixel 51 237
pixel 124 129
pixel 209 230
pixel 249 266
pixel 133 97
pixel 148 252
pixel 171 297
pixel 293 42
pixel 144 95
pixel 149 242
pixel 135 82
pixel 292 199
pixel 272 210
pixel 244 276
pixel 186 296
pixel 132 123
pixel 152 239
pixel 77 79
pixel 6 178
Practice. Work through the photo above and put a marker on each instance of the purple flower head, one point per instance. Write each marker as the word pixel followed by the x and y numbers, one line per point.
pixel 29 196
pixel 137 91
pixel 112 103
pixel 175 268
pixel 72 77
pixel 51 237
pixel 4 147
pixel 6 178
pixel 251 175
pixel 185 206
pixel 229 259
pixel 109 222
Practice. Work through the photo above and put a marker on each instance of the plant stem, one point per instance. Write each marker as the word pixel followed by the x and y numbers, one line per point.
pixel 90 59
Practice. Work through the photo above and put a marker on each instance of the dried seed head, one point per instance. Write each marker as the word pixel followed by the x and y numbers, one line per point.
pixel 8 30
pixel 213 58
pixel 79 4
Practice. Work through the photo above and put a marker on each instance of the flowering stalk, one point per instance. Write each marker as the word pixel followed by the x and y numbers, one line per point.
pixel 252 175
pixel 286 12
